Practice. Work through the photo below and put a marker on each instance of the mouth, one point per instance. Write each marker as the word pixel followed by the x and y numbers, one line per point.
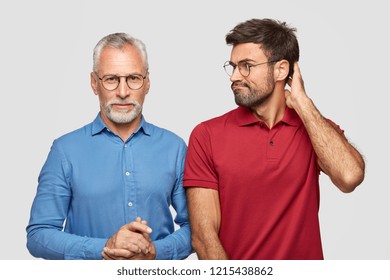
pixel 122 106
pixel 238 86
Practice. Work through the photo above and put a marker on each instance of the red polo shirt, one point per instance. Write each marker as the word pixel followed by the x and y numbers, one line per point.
pixel 267 181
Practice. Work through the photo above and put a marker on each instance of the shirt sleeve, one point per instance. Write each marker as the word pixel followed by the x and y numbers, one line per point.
pixel 45 236
pixel 178 244
pixel 199 167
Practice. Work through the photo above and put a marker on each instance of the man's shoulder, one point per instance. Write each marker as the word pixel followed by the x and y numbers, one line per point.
pixel 221 120
pixel 76 135
pixel 164 133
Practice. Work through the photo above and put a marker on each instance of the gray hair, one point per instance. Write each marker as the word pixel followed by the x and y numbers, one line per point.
pixel 118 41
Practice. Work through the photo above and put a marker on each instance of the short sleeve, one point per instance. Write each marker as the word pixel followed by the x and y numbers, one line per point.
pixel 199 170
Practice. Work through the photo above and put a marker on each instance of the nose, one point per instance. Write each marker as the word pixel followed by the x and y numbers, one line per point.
pixel 236 75
pixel 123 90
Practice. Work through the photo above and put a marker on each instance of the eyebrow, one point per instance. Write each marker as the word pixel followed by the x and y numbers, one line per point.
pixel 130 74
pixel 247 60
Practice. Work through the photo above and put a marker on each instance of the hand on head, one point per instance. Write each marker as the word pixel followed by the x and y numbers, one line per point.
pixel 297 90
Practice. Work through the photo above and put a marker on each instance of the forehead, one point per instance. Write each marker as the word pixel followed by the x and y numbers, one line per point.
pixel 121 61
pixel 247 51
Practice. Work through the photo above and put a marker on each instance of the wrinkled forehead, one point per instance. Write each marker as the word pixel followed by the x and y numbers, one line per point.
pixel 125 60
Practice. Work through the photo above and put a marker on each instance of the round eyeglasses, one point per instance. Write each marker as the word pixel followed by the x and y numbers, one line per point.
pixel 243 67
pixel 133 81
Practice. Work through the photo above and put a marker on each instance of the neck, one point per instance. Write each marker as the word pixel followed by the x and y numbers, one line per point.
pixel 271 110
pixel 123 130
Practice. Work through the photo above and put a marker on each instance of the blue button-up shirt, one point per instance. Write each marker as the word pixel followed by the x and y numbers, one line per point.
pixel 92 183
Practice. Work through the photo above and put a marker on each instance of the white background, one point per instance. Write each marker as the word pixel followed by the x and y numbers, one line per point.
pixel 46 57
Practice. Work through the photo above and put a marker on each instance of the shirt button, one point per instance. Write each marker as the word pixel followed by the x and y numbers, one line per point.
pixel 271 143
pixel 127 173
pixel 130 204
pixel 125 145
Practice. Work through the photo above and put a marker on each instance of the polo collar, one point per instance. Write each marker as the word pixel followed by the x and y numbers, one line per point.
pixel 245 117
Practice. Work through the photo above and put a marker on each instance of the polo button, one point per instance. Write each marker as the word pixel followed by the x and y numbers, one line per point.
pixel 127 173
pixel 130 204
pixel 271 143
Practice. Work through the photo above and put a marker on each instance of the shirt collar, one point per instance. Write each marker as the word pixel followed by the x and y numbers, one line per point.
pixel 98 126
pixel 245 117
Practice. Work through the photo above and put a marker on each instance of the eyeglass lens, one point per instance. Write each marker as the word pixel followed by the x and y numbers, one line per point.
pixel 111 82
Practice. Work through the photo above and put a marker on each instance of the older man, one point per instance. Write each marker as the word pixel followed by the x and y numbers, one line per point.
pixel 106 188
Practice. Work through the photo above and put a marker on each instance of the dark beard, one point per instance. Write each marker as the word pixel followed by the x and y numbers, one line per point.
pixel 252 99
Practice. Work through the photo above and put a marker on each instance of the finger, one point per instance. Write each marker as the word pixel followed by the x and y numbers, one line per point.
pixel 138 227
pixel 146 235
pixel 134 237
pixel 135 242
pixel 144 222
pixel 296 68
pixel 297 72
pixel 147 248
pixel 118 253
pixel 139 220
pixel 289 81
pixel 106 257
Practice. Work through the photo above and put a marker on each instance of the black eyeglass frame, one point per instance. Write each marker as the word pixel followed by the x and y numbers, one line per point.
pixel 247 65
pixel 126 78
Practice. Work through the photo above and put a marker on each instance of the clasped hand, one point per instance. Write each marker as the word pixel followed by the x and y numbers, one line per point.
pixel 130 242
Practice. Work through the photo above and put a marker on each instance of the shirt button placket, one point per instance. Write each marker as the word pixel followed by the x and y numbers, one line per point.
pixel 129 184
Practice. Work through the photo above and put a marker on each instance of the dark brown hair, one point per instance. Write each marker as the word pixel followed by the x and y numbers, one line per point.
pixel 276 39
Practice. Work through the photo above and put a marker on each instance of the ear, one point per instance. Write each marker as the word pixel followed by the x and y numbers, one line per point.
pixel 147 86
pixel 94 83
pixel 281 70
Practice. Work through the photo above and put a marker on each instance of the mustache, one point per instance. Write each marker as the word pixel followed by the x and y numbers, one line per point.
pixel 122 101
pixel 239 84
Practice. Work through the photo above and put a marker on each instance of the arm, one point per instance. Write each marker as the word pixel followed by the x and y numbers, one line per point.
pixel 177 245
pixel 45 236
pixel 205 220
pixel 336 156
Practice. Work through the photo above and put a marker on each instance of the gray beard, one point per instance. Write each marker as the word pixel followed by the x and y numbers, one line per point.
pixel 123 116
